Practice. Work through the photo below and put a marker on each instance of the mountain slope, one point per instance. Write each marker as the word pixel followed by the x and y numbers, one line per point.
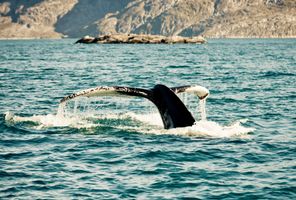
pixel 211 18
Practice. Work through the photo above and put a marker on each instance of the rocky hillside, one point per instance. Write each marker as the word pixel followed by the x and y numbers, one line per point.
pixel 211 18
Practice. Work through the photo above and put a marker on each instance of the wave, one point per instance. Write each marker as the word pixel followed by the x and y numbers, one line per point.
pixel 276 74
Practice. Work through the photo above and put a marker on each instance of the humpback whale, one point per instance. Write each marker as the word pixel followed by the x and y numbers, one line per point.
pixel 172 110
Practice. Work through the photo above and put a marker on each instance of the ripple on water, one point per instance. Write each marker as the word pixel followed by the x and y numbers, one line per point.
pixel 42 156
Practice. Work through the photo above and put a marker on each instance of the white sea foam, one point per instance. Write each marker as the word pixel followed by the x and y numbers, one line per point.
pixel 46 121
pixel 201 128
pixel 152 122
pixel 151 118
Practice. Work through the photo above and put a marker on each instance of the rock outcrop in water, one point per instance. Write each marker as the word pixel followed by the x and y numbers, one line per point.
pixel 140 39
pixel 211 18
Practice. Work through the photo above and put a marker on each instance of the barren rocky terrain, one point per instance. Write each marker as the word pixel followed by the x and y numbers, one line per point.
pixel 210 18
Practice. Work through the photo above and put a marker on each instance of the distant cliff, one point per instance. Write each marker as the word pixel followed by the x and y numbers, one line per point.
pixel 211 18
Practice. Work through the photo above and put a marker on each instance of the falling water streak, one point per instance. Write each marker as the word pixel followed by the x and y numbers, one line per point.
pixel 202 109
pixel 75 107
pixel 186 99
pixel 61 110
pixel 83 107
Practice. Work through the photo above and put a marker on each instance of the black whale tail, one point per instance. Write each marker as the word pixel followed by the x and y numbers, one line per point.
pixel 172 110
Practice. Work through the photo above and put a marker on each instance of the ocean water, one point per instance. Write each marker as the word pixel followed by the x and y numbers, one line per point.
pixel 116 148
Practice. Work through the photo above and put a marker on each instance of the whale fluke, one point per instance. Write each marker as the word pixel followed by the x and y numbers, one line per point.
pixel 172 110
pixel 109 91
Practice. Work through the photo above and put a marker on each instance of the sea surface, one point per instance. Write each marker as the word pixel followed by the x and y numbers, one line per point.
pixel 116 148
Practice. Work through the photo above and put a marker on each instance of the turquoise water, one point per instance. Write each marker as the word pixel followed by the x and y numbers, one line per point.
pixel 246 151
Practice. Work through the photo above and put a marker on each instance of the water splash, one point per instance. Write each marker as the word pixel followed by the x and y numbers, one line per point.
pixel 83 115
pixel 50 120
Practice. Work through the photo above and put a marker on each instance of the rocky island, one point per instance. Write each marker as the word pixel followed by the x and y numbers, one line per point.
pixel 140 39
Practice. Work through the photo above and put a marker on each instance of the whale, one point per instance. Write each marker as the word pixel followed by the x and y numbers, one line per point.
pixel 172 110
